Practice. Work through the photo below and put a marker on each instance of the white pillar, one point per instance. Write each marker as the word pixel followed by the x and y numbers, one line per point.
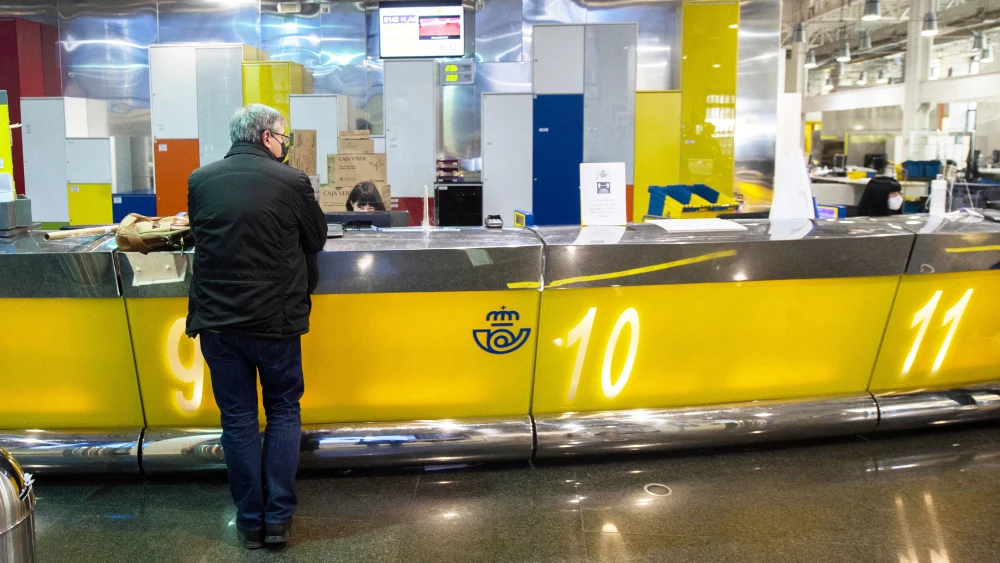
pixel 795 71
pixel 918 53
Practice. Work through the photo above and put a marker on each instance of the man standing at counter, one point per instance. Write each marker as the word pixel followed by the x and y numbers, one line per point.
pixel 255 221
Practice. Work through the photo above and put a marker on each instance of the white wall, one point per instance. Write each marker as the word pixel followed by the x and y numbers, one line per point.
pixel 988 126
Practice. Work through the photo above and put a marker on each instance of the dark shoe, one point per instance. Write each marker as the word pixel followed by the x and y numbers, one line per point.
pixel 277 533
pixel 251 538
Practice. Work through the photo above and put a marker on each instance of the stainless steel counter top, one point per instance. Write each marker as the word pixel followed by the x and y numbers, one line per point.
pixel 30 266
pixel 388 261
pixel 961 244
pixel 649 255
pixel 475 259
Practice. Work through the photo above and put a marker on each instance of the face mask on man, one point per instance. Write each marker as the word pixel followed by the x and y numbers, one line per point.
pixel 284 147
pixel 896 202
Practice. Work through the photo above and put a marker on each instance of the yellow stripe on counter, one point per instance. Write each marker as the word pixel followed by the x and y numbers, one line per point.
pixel 973 249
pixel 646 269
pixel 524 285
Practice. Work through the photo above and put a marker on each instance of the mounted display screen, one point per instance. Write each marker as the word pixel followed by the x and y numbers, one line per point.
pixel 427 30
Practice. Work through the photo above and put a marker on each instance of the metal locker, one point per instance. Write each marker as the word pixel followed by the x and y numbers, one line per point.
pixel 410 126
pixel 557 153
pixel 609 95
pixel 219 72
pixel 558 59
pixel 173 91
pixel 507 154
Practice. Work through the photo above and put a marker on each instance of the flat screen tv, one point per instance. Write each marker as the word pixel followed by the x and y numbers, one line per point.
pixel 421 30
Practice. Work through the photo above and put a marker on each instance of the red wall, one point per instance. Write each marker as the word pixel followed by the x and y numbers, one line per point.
pixel 51 69
pixel 29 67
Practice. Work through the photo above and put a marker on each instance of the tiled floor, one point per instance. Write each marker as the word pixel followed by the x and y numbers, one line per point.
pixel 918 498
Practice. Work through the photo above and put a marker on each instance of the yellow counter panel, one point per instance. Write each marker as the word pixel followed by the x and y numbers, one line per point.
pixel 368 357
pixel 69 365
pixel 944 332
pixel 702 344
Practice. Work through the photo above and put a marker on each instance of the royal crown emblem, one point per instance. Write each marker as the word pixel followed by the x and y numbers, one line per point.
pixel 500 338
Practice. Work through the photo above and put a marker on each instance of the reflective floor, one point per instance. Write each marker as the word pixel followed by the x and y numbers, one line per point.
pixel 916 498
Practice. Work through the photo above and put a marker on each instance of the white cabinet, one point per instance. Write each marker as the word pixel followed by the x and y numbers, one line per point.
pixel 558 59
pixel 102 160
pixel 47 123
pixel 410 91
pixel 173 91
pixel 507 154
pixel 327 115
pixel 43 132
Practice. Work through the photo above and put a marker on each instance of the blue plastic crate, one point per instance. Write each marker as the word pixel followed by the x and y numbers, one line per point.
pixel 914 168
pixel 123 204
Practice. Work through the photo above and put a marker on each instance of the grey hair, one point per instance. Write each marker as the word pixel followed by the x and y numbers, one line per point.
pixel 250 121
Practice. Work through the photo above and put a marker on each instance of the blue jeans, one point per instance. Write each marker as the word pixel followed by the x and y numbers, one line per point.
pixel 261 479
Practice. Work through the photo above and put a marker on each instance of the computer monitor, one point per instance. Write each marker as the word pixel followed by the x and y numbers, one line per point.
pixel 876 161
pixel 359 220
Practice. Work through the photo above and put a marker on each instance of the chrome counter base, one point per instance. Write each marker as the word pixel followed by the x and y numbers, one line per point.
pixel 372 444
pixel 642 430
pixel 17 545
pixel 918 409
pixel 74 451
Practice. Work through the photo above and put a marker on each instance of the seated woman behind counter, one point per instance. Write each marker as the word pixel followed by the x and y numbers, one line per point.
pixel 365 197
pixel 882 197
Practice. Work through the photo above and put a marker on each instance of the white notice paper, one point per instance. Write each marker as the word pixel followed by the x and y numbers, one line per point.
pixel 696 225
pixel 602 193
pixel 600 235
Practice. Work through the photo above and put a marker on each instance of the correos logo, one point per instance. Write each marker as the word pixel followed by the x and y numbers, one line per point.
pixel 501 337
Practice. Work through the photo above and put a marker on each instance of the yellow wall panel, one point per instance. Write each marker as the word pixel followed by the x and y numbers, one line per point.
pixel 708 94
pixel 89 204
pixel 703 344
pixel 657 144
pixel 79 377
pixel 944 332
pixel 419 361
pixel 272 83
pixel 6 160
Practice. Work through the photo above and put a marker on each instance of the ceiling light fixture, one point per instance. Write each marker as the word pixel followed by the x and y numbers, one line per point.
pixel 845 54
pixel 883 77
pixel 866 41
pixel 979 43
pixel 799 33
pixel 811 60
pixel 987 54
pixel 930 28
pixel 863 79
pixel 873 11
pixel 829 84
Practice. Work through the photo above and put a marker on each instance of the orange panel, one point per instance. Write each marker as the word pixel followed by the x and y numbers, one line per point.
pixel 174 160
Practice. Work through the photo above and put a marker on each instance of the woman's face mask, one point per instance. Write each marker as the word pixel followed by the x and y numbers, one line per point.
pixel 896 202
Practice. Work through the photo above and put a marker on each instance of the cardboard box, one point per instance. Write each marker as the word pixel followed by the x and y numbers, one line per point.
pixel 356 146
pixel 334 200
pixel 303 151
pixel 346 170
pixel 356 135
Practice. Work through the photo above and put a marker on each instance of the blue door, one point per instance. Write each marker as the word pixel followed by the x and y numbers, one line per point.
pixel 557 154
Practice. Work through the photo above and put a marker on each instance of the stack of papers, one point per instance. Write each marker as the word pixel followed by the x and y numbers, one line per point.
pixel 697 225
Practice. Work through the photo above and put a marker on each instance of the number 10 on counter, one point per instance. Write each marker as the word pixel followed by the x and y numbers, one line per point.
pixel 580 334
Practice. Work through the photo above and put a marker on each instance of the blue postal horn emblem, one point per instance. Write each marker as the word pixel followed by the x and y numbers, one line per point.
pixel 501 339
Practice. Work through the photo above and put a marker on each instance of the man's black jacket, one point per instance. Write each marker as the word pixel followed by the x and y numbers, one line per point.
pixel 254 221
